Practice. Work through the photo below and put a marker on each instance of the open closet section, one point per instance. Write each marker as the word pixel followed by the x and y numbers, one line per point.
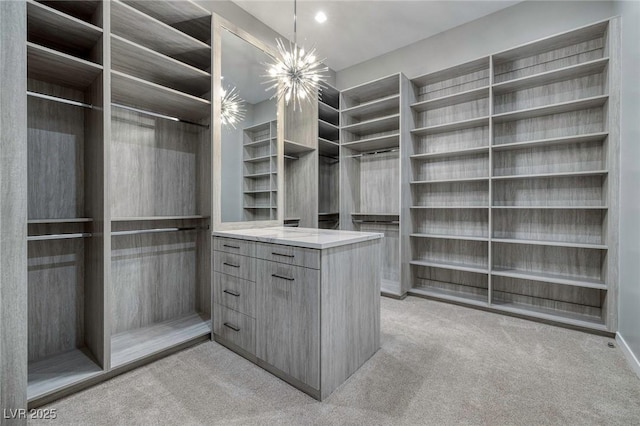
pixel 370 145
pixel 66 105
pixel 160 177
pixel 328 157
pixel 514 191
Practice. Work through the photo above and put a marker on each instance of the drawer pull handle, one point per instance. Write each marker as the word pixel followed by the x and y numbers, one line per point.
pixel 283 277
pixel 231 326
pixel 231 292
pixel 230 246
pixel 283 255
pixel 231 264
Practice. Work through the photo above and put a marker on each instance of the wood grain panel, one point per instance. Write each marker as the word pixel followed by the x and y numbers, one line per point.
pixel 562 191
pixel 467 222
pixel 235 293
pixel 290 255
pixel 452 80
pixel 455 282
pixel 390 247
pixel 235 265
pixel 452 251
pixel 56 297
pixel 288 320
pixel 453 167
pixel 328 185
pixel 350 313
pixel 153 166
pixel 235 327
pixel 301 189
pixel 153 278
pixel 379 183
pixel 56 134
pixel 452 141
pixel 452 113
pixel 59 68
pixel 452 194
pixel 232 245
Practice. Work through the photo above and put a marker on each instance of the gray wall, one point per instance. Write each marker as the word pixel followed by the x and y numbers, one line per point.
pixel 629 316
pixel 509 27
pixel 13 209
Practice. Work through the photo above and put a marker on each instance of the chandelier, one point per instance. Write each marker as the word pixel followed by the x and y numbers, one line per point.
pixel 232 109
pixel 296 75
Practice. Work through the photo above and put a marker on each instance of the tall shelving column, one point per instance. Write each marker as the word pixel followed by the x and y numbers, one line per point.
pixel 66 231
pixel 554 178
pixel 370 145
pixel 260 171
pixel 328 157
pixel 160 178
pixel 449 180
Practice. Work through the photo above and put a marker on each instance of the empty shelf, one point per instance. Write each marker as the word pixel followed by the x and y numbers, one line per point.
pixel 450 237
pixel 142 62
pixel 376 125
pixel 258 175
pixel 58 372
pixel 550 278
pixel 329 148
pixel 592 137
pixel 451 296
pixel 373 107
pixel 129 346
pixel 372 90
pixel 59 68
pixel 372 144
pixel 457 98
pixel 449 207
pixel 259 142
pixel 453 266
pixel 452 127
pixel 549 243
pixel 291 147
pixel 328 113
pixel 258 159
pixel 565 207
pixel 559 108
pixel 549 77
pixel 569 318
pixel 148 218
pixel 551 175
pixel 471 179
pixel 459 152
pixel 135 92
pixel 67 220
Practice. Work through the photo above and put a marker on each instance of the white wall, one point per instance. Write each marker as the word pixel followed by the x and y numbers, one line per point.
pixel 518 24
pixel 629 314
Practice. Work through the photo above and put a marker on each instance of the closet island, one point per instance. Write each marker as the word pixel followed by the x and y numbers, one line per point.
pixel 302 303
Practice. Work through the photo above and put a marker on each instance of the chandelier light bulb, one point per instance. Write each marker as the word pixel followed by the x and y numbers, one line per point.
pixel 232 109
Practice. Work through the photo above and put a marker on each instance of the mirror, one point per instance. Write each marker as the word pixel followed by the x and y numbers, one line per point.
pixel 248 134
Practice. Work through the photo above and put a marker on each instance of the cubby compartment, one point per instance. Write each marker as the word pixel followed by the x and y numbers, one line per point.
pixel 564 158
pixel 567 304
pixel 367 94
pixel 473 194
pixel 470 256
pixel 454 167
pixel 451 223
pixel 87 10
pixel 436 114
pixel 475 138
pixel 160 292
pixel 460 82
pixel 566 191
pixel 562 226
pixel 450 284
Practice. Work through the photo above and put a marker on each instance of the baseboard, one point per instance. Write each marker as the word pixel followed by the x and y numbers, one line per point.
pixel 628 354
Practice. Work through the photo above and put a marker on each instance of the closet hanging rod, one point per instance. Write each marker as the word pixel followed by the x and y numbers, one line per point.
pixel 46 237
pixel 381 151
pixel 59 99
pixel 379 222
pixel 158 115
pixel 156 230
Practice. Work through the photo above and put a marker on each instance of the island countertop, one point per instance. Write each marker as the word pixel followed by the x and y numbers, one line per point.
pixel 300 237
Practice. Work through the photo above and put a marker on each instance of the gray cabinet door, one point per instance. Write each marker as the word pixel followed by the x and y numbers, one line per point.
pixel 288 320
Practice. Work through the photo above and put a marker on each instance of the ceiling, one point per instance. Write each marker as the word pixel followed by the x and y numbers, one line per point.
pixel 357 30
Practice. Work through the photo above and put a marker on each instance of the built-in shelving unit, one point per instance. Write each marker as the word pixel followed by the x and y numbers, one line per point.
pixel 513 196
pixel 260 167
pixel 160 177
pixel 328 158
pixel 370 151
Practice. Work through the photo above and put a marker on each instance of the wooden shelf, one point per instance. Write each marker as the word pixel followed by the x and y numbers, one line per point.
pixel 452 127
pixel 452 266
pixel 375 143
pixel 366 92
pixel 373 107
pixel 147 31
pixel 184 15
pixel 448 207
pixel 329 114
pixel 450 296
pixel 328 131
pixel 327 147
pixel 59 68
pixel 591 137
pixel 49 26
pixel 574 71
pixel 52 221
pixel 292 148
pixel 552 175
pixel 129 346
pixel 259 207
pixel 550 278
pixel 60 371
pixel 559 108
pixel 258 175
pixel 460 152
pixel 457 98
pixel 84 10
pixel 376 125
pixel 260 142
pixel 258 159
pixel 450 237
pixel 138 93
pixel 568 318
pixel 549 243
pixel 374 214
pixel 472 179
pixel 150 218
pixel 552 207
pixel 136 60
pixel 261 191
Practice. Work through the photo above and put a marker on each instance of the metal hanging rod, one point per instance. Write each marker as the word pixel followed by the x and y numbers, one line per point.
pixel 59 99
pixel 58 236
pixel 156 230
pixel 158 115
pixel 379 222
pixel 382 151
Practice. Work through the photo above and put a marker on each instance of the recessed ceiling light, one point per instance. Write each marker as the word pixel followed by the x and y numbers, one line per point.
pixel 321 17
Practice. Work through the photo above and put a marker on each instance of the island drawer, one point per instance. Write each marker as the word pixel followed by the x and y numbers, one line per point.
pixel 232 245
pixel 235 265
pixel 235 327
pixel 235 293
pixel 309 258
